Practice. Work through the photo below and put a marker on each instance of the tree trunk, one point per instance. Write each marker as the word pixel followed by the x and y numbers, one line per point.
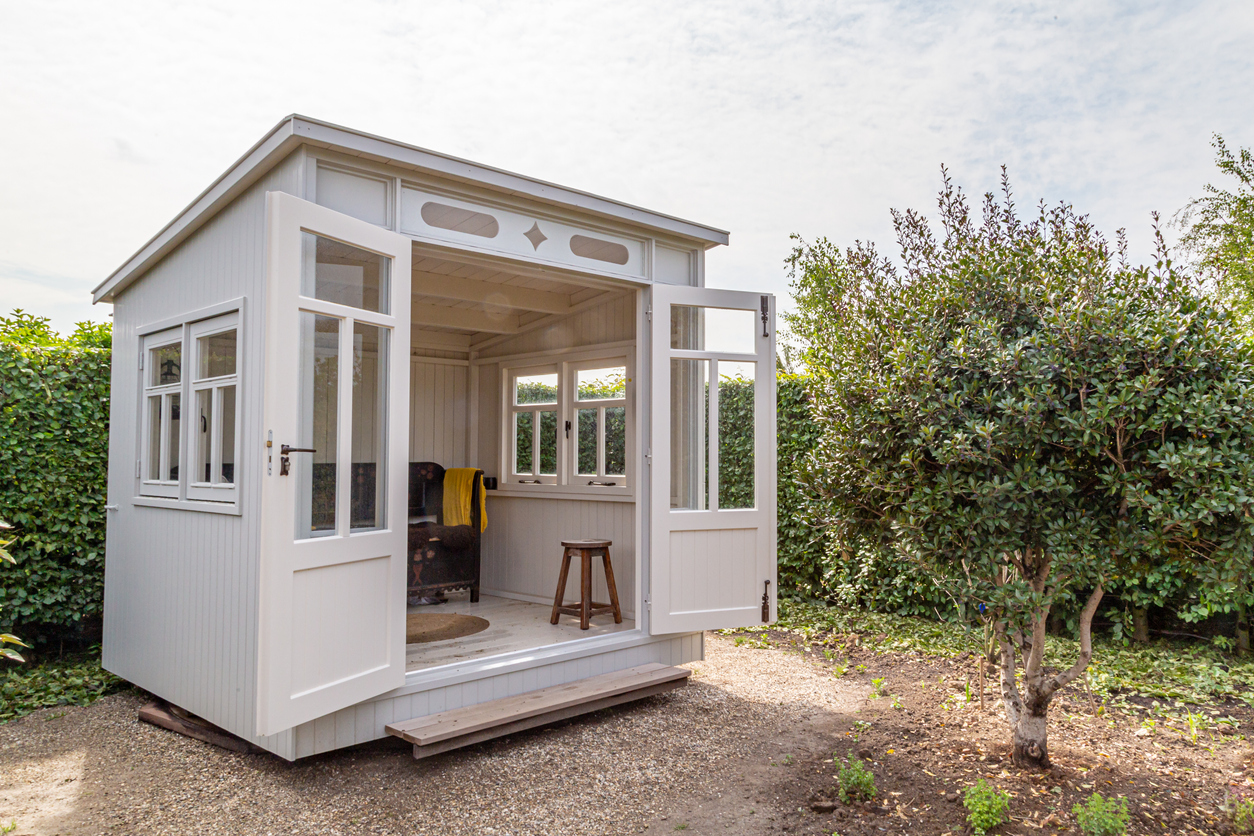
pixel 1031 747
pixel 1140 625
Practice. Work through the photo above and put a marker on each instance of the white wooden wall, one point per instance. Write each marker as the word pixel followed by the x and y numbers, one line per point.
pixel 522 548
pixel 180 608
pixel 438 404
pixel 610 322
pixel 366 721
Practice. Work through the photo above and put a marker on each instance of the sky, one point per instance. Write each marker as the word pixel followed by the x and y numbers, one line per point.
pixel 763 118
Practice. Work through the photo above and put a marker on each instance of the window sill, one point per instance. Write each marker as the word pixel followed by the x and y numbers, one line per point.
pixel 231 508
pixel 624 494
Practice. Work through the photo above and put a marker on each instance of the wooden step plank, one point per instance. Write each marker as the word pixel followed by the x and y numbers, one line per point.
pixel 470 719
pixel 545 699
pixel 427 751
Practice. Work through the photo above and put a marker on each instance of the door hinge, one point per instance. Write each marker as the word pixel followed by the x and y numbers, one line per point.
pixel 141 358
pixel 648 604
pixel 139 468
pixel 648 456
pixel 648 313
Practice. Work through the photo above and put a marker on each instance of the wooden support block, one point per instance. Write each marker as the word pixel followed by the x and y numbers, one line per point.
pixel 176 720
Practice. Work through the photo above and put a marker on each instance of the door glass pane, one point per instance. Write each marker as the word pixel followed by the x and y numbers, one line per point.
pixel 690 434
pixel 216 354
pixel 714 329
pixel 172 439
pixel 336 272
pixel 587 432
pixel 535 388
pixel 735 435
pixel 524 462
pixel 616 441
pixel 203 435
pixel 227 474
pixel 601 384
pixel 165 364
pixel 154 438
pixel 548 443
pixel 370 374
pixel 318 425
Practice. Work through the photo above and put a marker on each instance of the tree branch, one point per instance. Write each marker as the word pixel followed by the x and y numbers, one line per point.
pixel 1086 644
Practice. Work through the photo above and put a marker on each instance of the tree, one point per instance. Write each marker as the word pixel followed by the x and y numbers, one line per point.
pixel 1219 230
pixel 1023 417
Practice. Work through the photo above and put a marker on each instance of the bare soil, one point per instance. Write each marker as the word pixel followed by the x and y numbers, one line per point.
pixel 745 749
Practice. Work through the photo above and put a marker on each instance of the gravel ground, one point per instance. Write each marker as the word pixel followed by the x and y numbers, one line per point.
pixel 703 750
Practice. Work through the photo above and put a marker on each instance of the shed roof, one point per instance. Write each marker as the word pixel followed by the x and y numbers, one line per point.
pixel 294 130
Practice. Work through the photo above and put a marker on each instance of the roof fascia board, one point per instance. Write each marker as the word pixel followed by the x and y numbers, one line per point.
pixel 409 156
pixel 259 159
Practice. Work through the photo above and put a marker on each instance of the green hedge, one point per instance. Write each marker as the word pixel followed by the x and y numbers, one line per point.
pixel 54 435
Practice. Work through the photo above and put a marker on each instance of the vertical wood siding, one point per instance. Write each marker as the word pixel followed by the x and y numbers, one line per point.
pixel 522 548
pixel 180 608
pixel 365 722
pixel 438 401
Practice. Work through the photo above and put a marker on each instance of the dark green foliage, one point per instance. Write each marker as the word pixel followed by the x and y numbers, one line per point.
pixel 986 806
pixel 1243 816
pixel 1102 816
pixel 1024 418
pixel 74 680
pixel 854 781
pixel 54 432
pixel 801 535
pixel 735 443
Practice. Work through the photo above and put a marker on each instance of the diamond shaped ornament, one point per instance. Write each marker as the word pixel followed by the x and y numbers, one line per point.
pixel 535 236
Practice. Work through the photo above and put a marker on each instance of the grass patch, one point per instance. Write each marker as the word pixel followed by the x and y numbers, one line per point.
pixel 1184 672
pixel 75 679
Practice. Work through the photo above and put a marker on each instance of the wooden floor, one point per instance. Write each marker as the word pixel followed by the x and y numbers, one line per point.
pixel 515 625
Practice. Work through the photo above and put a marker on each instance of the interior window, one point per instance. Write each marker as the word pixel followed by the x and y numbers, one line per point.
pixel 568 425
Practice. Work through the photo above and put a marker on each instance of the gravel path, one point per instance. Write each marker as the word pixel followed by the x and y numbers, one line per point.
pixel 626 770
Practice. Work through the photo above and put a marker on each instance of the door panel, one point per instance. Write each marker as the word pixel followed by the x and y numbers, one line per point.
pixel 331 609
pixel 713 460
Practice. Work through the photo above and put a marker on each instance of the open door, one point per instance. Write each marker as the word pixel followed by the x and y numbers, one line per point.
pixel 712 563
pixel 331 608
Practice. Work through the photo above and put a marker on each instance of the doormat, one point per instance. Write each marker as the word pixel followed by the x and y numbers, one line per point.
pixel 440 626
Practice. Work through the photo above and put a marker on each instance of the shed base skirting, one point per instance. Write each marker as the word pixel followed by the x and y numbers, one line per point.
pixel 368 721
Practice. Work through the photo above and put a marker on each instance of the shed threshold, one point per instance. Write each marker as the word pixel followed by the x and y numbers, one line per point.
pixel 437 733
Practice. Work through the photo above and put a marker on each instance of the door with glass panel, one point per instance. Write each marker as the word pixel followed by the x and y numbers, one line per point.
pixel 712 454
pixel 332 598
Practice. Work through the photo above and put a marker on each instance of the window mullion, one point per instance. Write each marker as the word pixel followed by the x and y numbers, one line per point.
pixel 215 436
pixel 601 442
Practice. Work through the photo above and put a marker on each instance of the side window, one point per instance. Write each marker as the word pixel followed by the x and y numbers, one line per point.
pixel 162 419
pixel 534 408
pixel 600 419
pixel 189 444
pixel 212 448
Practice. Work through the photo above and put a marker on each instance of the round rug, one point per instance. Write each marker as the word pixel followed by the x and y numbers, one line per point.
pixel 439 626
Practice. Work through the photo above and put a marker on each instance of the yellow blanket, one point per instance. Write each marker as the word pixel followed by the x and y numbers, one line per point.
pixel 459 483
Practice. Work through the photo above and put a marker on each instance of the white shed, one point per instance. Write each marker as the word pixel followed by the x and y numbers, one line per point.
pixel 337 314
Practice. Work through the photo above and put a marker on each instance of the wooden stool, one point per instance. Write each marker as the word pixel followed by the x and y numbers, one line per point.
pixel 586 608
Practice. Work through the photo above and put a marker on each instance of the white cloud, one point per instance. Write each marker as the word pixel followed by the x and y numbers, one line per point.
pixel 765 118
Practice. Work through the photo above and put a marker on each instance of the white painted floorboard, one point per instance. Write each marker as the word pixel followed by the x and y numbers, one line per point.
pixel 515 625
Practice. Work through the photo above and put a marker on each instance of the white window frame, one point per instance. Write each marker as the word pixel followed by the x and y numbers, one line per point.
pixel 600 479
pixel 214 490
pixel 181 493
pixel 513 410
pixel 151 343
pixel 567 480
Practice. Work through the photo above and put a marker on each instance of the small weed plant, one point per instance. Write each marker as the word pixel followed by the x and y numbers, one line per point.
pixel 857 783
pixel 1102 816
pixel 986 807
pixel 1243 817
pixel 860 727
